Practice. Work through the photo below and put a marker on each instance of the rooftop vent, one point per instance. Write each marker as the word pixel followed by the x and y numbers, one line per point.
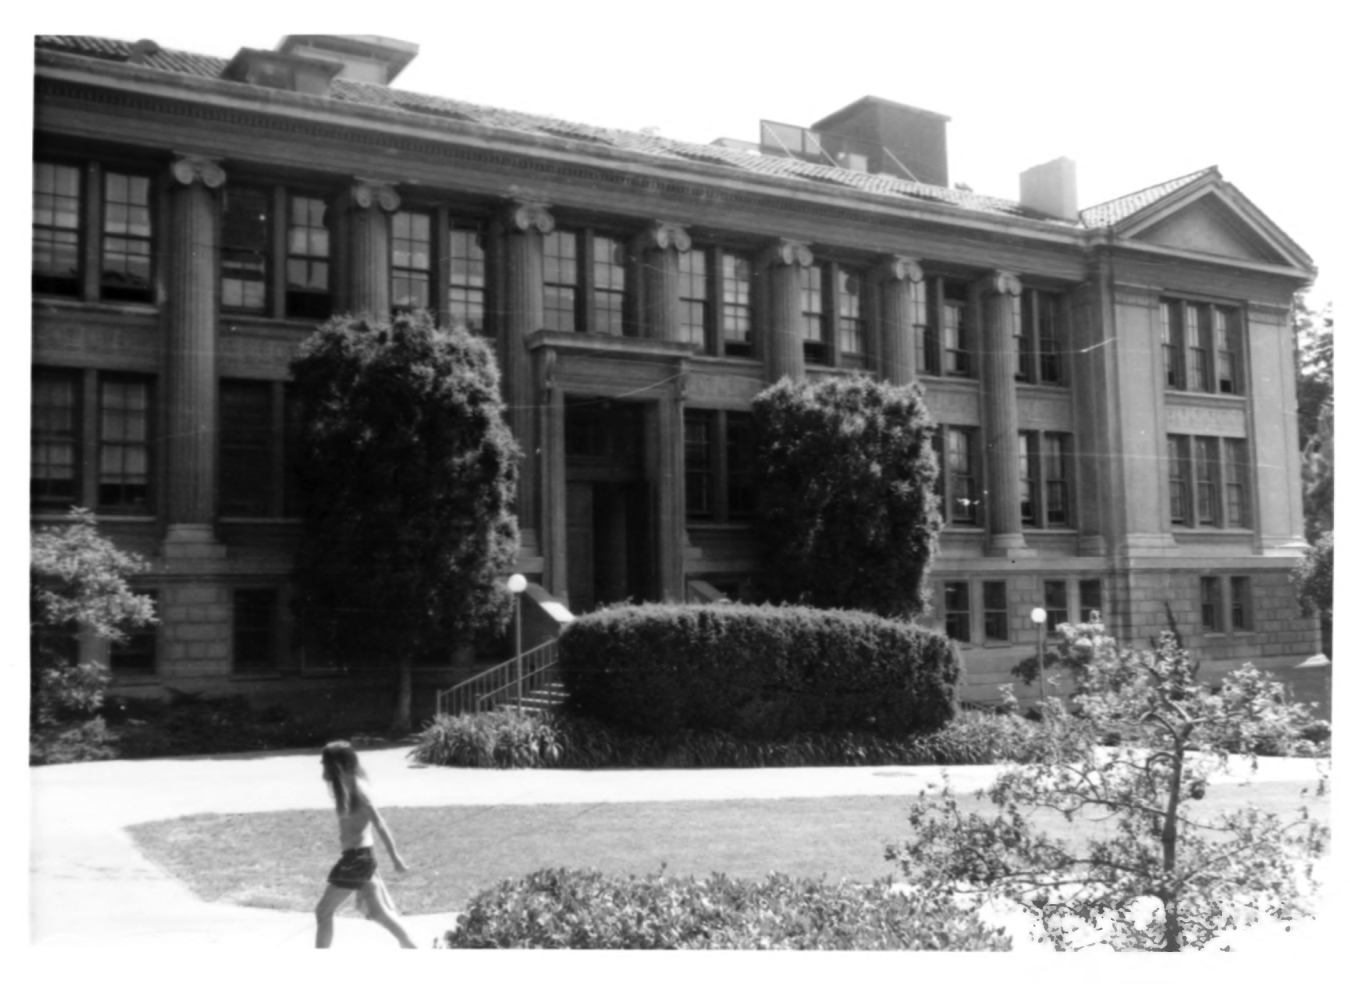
pixel 1052 188
pixel 359 57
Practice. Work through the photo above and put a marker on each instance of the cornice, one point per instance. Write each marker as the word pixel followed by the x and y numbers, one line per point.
pixel 360 128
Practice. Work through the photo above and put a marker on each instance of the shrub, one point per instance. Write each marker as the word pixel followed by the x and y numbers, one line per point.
pixel 508 740
pixel 88 741
pixel 757 672
pixel 585 910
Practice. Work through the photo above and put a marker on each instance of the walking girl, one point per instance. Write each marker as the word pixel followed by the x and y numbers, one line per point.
pixel 355 870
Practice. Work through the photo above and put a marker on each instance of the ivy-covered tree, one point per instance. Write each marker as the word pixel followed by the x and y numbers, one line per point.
pixel 1149 873
pixel 409 477
pixel 77 580
pixel 847 513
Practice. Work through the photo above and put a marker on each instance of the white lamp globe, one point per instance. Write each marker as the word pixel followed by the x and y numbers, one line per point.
pixel 516 583
pixel 1038 615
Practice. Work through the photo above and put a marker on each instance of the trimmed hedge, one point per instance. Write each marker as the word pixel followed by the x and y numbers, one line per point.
pixel 757 672
pixel 585 910
pixel 508 740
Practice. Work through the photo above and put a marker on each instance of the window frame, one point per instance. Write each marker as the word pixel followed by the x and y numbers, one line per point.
pixel 142 639
pixel 270 631
pixel 1039 320
pixel 958 616
pixel 71 437
pixel 725 477
pixel 104 442
pixel 1001 631
pixel 581 305
pixel 943 447
pixel 1223 475
pixel 695 297
pixel 119 293
pixel 733 299
pixel 1055 614
pixel 49 283
pixel 1204 346
pixel 302 301
pixel 276 449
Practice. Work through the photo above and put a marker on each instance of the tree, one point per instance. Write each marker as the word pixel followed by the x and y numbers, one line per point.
pixel 77 580
pixel 1315 395
pixel 1203 875
pixel 1313 577
pixel 409 477
pixel 847 514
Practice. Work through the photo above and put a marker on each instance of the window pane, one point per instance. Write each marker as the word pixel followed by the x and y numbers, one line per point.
pixel 560 281
pixel 1235 482
pixel 1209 604
pixel 468 276
pixel 410 261
pixel 1178 475
pixel 1207 480
pixel 1056 603
pixel 124 452
pixel 307 260
pixel 956 605
pixel 956 357
pixel 1027 479
pixel 1089 599
pixel 126 237
pixel 1242 620
pixel 246 474
pixel 995 610
pixel 245 233
pixel 692 327
pixel 54 447
pixel 56 225
pixel 255 636
pixel 849 311
pixel 740 465
pixel 137 655
pixel 813 314
pixel 698 499
pixel 1049 337
pixel 736 304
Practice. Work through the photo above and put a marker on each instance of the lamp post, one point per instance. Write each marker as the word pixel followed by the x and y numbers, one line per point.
pixel 1038 616
pixel 516 585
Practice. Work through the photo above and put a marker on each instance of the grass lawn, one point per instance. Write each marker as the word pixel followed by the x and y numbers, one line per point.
pixel 280 860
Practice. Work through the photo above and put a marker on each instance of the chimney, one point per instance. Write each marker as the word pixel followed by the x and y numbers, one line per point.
pixel 896 139
pixel 1052 188
pixel 360 57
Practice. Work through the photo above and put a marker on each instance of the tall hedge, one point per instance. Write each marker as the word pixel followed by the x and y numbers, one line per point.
pixel 758 672
pixel 846 509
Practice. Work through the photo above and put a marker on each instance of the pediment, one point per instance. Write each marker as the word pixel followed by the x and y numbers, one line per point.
pixel 1214 219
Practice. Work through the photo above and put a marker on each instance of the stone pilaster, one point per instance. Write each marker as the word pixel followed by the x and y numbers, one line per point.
pixel 897 279
pixel 997 296
pixel 660 248
pixel 526 224
pixel 190 357
pixel 366 286
pixel 783 355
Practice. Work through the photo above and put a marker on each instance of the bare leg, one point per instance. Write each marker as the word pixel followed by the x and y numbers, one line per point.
pixel 373 896
pixel 333 897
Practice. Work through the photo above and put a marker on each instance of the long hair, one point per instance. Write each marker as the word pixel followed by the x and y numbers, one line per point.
pixel 341 770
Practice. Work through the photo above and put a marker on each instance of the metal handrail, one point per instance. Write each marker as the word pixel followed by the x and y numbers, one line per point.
pixel 518 689
pixel 473 694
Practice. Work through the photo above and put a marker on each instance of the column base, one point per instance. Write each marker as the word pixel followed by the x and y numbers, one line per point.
pixel 1013 546
pixel 192 541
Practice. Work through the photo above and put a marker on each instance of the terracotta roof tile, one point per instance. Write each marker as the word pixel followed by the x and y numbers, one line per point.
pixel 370 94
pixel 1119 209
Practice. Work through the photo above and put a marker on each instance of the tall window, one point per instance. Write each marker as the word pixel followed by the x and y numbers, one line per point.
pixel 1029 478
pixel 56 229
pixel 1178 479
pixel 1056 603
pixel 257 450
pixel 736 274
pixel 53 475
pixel 1211 604
pixel 698 463
pixel 1206 450
pixel 1202 347
pixel 813 314
pixel 718 465
pixel 693 324
pixel 466 302
pixel 410 261
pixel 307 282
pixel 124 443
pixel 956 608
pixel 126 237
pixel 925 337
pixel 560 281
pixel 995 610
pixel 244 243
pixel 1235 472
pixel 1197 350
pixel 138 653
pixel 609 261
pixel 1241 604
pixel 955 343
pixel 848 310
pixel 1037 325
pixel 1090 599
pixel 1055 459
pixel 255 630
pixel 957 477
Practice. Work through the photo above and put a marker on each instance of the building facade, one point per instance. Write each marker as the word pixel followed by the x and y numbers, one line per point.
pixel 1114 386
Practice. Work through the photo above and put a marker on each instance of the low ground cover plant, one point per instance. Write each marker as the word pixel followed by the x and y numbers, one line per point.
pixel 506 739
pixel 559 908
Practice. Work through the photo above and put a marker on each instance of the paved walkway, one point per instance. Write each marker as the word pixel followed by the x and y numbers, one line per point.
pixel 90 886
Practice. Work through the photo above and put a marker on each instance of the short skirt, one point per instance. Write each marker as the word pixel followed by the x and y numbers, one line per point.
pixel 354 868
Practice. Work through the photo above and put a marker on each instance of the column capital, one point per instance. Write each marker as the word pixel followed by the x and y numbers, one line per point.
pixel 522 216
pixel 660 236
pixel 189 168
pixel 789 252
pixel 1001 282
pixel 366 193
pixel 900 268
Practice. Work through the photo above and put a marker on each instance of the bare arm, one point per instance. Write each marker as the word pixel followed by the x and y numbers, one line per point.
pixel 382 829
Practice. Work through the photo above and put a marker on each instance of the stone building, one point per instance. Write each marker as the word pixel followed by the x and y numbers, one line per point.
pixel 1115 386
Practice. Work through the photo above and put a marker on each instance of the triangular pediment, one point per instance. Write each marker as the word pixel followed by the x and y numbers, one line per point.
pixel 1212 218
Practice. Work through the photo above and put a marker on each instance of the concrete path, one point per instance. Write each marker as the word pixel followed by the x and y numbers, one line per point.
pixel 90 886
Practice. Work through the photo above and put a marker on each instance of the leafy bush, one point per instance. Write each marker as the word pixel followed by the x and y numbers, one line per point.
pixel 1314 577
pixel 508 740
pixel 88 741
pixel 757 672
pixel 846 512
pixel 585 910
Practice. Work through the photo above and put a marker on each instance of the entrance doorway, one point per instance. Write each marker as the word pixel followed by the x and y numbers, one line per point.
pixel 610 537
